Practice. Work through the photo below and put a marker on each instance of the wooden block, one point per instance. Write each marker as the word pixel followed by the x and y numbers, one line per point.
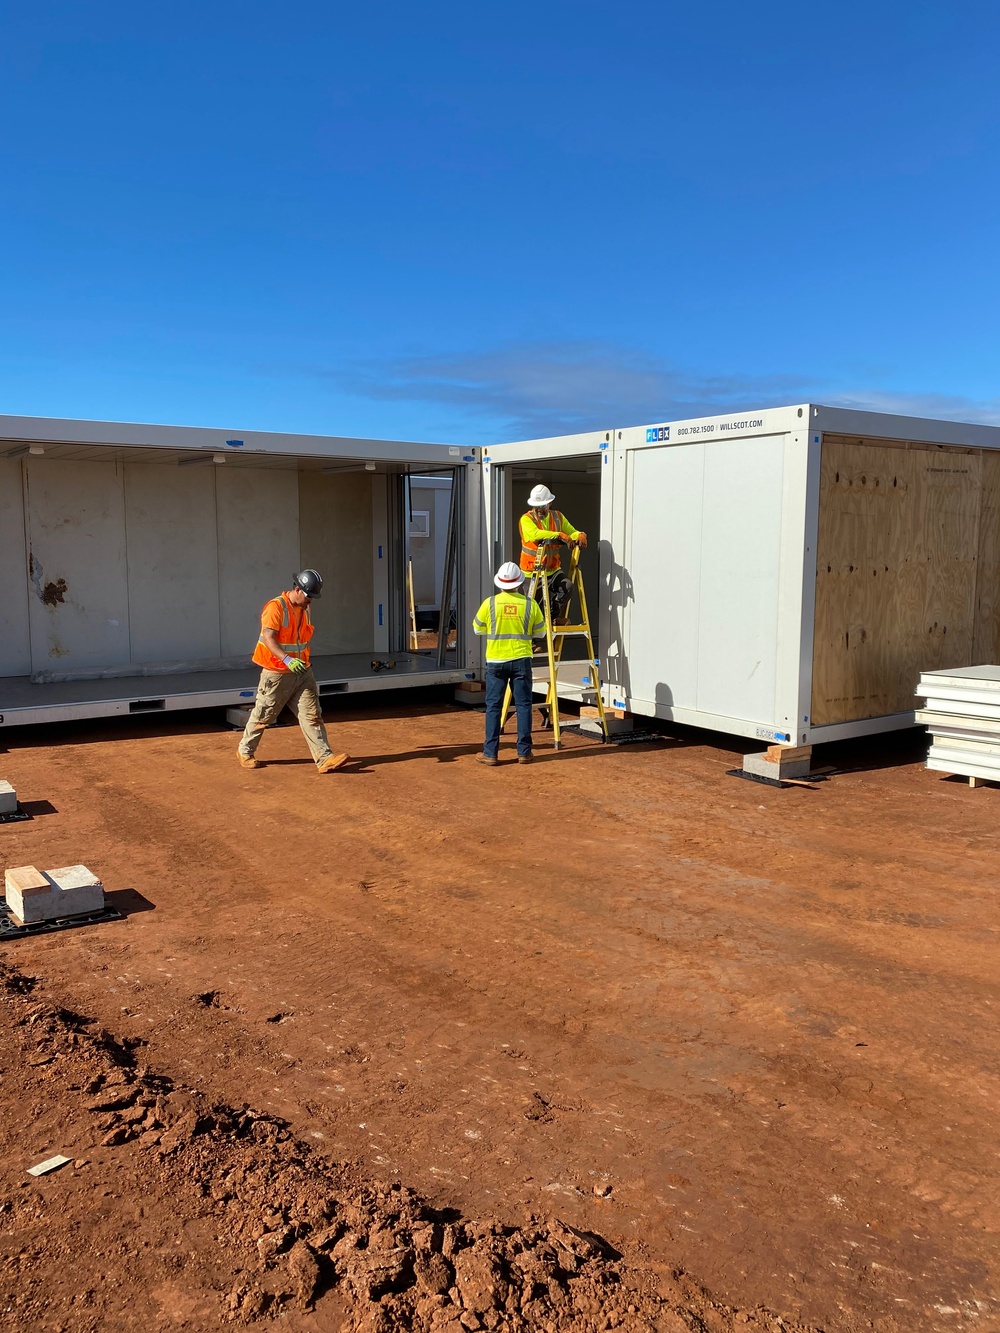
pixel 25 880
pixel 785 754
pixel 589 710
pixel 977 782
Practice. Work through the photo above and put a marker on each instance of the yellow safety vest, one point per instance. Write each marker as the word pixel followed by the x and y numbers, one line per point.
pixel 509 621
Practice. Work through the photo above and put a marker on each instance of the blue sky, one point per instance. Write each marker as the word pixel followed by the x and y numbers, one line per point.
pixel 480 222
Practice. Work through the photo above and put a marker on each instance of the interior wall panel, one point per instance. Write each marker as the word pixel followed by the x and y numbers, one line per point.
pixel 173 562
pixel 258 527
pixel 78 597
pixel 15 644
pixel 335 534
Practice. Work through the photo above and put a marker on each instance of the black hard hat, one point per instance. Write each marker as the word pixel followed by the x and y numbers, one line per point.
pixel 310 582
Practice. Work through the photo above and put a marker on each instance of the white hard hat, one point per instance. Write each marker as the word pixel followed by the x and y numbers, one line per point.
pixel 508 576
pixel 540 496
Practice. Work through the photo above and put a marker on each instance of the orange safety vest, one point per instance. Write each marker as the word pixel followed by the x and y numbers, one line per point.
pixel 294 633
pixel 551 556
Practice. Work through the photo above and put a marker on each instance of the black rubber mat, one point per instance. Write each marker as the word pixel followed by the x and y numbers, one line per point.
pixel 772 782
pixel 15 816
pixel 9 931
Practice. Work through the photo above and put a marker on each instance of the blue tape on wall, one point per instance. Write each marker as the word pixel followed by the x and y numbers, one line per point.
pixel 380 606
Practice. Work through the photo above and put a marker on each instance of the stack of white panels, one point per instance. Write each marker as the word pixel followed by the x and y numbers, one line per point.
pixel 962 713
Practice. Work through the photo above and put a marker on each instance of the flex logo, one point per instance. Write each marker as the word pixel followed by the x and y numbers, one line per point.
pixel 655 433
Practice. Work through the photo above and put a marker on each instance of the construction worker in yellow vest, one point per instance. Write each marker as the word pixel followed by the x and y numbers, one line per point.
pixel 286 677
pixel 545 525
pixel 509 620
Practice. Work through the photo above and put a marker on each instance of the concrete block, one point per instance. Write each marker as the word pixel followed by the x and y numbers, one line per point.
pixel 8 799
pixel 34 896
pixel 470 692
pixel 762 767
pixel 239 716
pixel 617 726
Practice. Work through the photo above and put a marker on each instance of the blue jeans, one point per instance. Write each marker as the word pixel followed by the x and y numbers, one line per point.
pixel 518 672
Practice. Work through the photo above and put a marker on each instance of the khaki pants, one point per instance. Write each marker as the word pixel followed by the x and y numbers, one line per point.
pixel 292 689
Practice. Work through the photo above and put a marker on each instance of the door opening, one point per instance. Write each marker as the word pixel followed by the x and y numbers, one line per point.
pixel 576 484
pixel 433 570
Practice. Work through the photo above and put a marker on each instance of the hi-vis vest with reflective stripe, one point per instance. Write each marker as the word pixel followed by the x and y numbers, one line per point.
pixel 510 621
pixel 550 558
pixel 294 633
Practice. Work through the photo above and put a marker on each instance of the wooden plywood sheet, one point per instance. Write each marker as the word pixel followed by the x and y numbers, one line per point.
pixel 78 599
pixel 986 641
pixel 897 557
pixel 15 648
pixel 173 587
pixel 258 526
pixel 335 535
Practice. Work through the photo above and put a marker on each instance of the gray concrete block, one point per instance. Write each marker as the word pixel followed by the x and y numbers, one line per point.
pixel 471 692
pixel 34 896
pixel 8 799
pixel 762 767
pixel 617 726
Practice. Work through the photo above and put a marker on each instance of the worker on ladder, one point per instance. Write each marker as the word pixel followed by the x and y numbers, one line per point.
pixel 546 527
pixel 509 621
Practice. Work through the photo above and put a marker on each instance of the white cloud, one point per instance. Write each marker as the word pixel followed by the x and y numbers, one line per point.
pixel 529 390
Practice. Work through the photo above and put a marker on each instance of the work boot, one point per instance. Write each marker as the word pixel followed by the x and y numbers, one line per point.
pixel 333 761
pixel 525 758
pixel 247 761
pixel 487 759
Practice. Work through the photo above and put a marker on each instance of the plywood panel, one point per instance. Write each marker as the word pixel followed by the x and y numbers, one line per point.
pixel 986 638
pixel 15 647
pixel 78 601
pixel 173 562
pixel 896 573
pixel 741 551
pixel 335 534
pixel 258 527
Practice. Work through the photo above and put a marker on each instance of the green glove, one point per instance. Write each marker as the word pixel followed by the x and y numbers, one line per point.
pixel 295 664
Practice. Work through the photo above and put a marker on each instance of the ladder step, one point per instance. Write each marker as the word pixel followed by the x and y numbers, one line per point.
pixel 557 630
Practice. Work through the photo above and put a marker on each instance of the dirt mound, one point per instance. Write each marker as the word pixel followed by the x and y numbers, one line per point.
pixel 299 1228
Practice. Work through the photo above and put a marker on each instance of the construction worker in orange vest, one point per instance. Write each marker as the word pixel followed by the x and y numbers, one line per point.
pixel 545 524
pixel 286 678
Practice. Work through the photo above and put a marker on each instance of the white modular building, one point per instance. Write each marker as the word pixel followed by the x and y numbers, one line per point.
pixel 784 574
pixel 135 560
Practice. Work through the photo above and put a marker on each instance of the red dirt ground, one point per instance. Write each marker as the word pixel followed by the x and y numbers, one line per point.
pixel 744 1037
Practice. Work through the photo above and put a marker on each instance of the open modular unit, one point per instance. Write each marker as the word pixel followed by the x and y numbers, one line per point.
pixel 134 562
pixel 784 574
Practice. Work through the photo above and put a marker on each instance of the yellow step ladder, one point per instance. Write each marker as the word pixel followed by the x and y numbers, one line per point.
pixel 555 637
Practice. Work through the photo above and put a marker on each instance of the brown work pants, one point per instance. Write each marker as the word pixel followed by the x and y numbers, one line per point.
pixel 291 689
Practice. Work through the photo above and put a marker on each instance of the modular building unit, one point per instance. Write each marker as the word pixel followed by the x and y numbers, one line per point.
pixel 134 562
pixel 783 574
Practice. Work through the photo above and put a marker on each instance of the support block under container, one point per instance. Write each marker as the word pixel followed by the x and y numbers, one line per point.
pixel 763 767
pixel 47 895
